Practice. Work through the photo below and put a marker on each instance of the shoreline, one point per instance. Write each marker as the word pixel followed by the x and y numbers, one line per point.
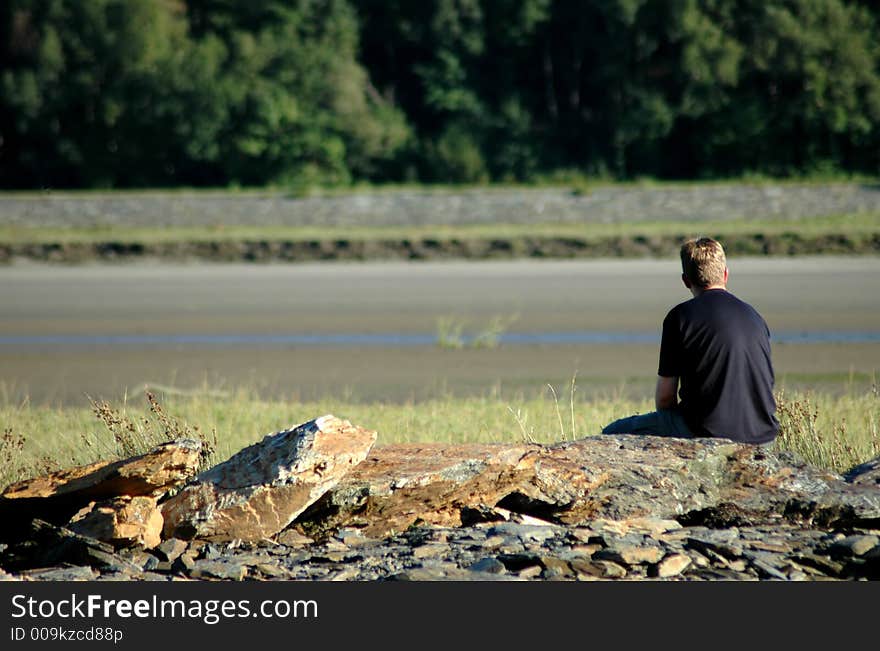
pixel 432 248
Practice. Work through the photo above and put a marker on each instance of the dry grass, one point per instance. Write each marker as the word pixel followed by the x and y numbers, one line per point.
pixel 831 431
pixel 26 451
pixel 834 433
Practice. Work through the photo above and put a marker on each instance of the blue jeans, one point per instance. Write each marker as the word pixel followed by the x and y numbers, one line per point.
pixel 665 422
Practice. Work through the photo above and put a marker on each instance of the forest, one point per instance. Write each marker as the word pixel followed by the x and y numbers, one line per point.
pixel 234 93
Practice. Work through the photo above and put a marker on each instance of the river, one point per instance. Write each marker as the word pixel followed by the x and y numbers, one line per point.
pixel 368 331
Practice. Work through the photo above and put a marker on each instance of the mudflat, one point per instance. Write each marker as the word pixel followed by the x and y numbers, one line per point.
pixel 810 295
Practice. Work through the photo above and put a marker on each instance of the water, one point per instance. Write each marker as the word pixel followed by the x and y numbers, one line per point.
pixel 396 339
pixel 369 331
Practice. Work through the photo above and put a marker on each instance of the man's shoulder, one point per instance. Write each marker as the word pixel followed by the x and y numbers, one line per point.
pixel 742 305
pixel 717 297
pixel 714 302
pixel 675 312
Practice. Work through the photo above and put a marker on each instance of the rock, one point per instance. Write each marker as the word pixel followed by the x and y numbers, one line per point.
pixel 648 480
pixel 630 555
pixel 520 561
pixel 165 466
pixel 140 558
pixel 526 532
pixel 272 571
pixel 336 546
pixel 46 544
pixel 260 490
pixel 58 496
pixel 448 574
pixel 347 574
pixel 488 564
pixel 648 526
pixel 352 537
pixel 430 550
pixel 598 569
pixel 713 548
pixel 183 563
pixel 820 563
pixel 230 570
pixel 856 545
pixel 211 552
pixel 867 473
pixel 530 572
pixel 293 538
pixel 122 521
pixel 169 550
pixel 767 570
pixel 75 573
pixel 471 515
pixel 555 566
pixel 673 565
pixel 719 511
pixel 770 546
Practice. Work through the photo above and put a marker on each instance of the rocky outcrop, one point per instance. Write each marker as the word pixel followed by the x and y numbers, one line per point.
pixel 601 508
pixel 58 496
pixel 715 482
pixel 260 490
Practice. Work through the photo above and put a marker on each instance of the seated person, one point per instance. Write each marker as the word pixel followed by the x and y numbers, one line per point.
pixel 718 348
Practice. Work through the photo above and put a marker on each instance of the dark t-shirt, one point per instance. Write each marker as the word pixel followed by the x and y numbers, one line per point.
pixel 719 347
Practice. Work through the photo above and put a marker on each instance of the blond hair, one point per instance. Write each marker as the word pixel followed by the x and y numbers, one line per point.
pixel 703 262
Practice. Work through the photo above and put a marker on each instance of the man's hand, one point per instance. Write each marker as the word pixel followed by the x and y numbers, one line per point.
pixel 665 395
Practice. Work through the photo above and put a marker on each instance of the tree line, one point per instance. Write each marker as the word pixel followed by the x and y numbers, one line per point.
pixel 134 93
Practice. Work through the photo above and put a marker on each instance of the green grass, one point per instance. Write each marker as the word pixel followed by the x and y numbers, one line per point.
pixel 834 431
pixel 853 225
pixel 451 332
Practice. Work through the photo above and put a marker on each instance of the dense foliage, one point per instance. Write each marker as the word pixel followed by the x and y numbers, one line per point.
pixel 115 93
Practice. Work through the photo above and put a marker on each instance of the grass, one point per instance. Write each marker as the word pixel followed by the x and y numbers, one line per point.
pixel 853 225
pixel 451 332
pixel 832 431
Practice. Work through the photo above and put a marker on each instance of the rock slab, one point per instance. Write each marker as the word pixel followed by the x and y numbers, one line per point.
pixel 58 496
pixel 123 521
pixel 260 490
pixel 713 482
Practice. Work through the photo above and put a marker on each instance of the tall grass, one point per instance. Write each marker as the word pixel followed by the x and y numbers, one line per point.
pixel 832 431
pixel 451 332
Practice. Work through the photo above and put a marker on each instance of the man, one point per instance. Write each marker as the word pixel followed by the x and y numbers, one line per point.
pixel 718 347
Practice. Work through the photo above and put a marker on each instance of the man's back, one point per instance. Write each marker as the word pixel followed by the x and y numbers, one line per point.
pixel 719 348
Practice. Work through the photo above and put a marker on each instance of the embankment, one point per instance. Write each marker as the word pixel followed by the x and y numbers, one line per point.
pixel 753 244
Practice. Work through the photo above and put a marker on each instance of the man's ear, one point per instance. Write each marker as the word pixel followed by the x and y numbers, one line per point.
pixel 687 283
pixel 726 274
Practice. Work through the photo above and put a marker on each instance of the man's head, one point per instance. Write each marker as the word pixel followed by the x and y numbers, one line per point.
pixel 703 264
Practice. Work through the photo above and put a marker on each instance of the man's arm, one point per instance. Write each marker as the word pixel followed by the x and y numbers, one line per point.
pixel 665 395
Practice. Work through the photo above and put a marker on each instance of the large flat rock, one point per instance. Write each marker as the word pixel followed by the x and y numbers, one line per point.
pixel 260 490
pixel 713 481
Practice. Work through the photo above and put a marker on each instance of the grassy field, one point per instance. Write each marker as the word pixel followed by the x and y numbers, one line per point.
pixel 854 226
pixel 834 431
